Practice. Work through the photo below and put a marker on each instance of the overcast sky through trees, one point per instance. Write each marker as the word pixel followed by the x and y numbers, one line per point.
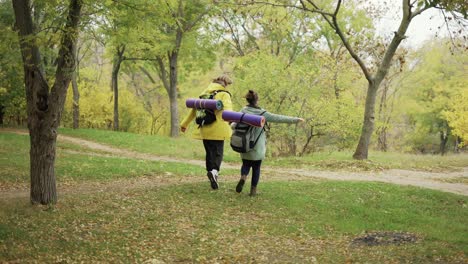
pixel 424 27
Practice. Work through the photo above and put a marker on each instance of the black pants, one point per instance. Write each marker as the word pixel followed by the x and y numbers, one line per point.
pixel 214 154
pixel 255 165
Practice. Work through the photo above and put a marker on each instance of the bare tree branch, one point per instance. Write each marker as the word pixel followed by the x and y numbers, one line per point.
pixel 148 74
pixel 235 38
pixel 163 74
pixel 419 11
pixel 348 46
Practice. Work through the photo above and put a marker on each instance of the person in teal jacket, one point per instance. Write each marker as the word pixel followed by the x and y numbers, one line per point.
pixel 253 158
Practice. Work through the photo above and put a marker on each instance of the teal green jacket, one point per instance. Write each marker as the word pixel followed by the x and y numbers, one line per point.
pixel 258 152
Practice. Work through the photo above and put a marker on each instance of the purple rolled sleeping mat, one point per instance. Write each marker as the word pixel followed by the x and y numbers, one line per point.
pixel 238 117
pixel 204 104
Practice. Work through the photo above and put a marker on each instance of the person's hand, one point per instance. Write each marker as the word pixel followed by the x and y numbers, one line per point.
pixel 183 129
pixel 301 119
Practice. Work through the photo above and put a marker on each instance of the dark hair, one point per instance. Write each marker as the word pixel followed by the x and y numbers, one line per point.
pixel 252 98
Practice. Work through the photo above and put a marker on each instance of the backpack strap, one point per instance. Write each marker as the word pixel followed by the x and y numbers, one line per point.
pixel 241 118
pixel 219 91
pixel 263 129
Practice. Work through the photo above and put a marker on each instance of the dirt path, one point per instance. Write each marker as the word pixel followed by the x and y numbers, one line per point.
pixel 430 180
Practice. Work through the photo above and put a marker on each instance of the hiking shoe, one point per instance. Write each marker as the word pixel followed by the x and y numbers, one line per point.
pixel 240 185
pixel 253 191
pixel 213 180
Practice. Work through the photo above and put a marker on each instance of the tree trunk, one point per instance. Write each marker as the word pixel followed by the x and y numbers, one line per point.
pixel 443 142
pixel 382 131
pixel 335 78
pixel 383 146
pixel 2 113
pixel 76 102
pixel 118 58
pixel 173 94
pixel 115 89
pixel 382 69
pixel 44 105
pixel 458 140
pixel 368 123
pixel 374 82
pixel 42 159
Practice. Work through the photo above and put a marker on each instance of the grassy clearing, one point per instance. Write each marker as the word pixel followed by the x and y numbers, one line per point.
pixel 289 222
pixel 294 222
pixel 73 167
pixel 377 161
pixel 185 147
pixel 14 161
pixel 182 147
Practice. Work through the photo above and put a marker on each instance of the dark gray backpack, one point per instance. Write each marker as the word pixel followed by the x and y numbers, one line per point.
pixel 243 137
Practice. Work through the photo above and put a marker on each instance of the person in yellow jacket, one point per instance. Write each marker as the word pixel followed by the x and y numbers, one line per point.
pixel 214 134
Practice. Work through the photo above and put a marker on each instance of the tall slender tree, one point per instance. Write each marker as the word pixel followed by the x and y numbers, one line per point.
pixel 45 103
pixel 410 10
pixel 184 18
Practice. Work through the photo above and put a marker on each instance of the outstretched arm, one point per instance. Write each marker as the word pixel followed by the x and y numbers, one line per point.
pixel 274 118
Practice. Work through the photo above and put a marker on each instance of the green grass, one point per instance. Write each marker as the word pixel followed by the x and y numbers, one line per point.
pixel 14 161
pixel 294 222
pixel 377 161
pixel 288 222
pixel 182 147
pixel 14 158
pixel 185 147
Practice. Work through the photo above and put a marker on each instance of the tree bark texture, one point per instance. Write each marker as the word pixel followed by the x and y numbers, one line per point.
pixel 173 94
pixel 2 113
pixel 368 124
pixel 444 136
pixel 374 82
pixel 76 102
pixel 170 82
pixel 44 105
pixel 118 58
pixel 382 131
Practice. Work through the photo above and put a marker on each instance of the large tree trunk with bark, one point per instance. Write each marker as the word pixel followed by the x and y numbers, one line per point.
pixel 42 171
pixel 44 105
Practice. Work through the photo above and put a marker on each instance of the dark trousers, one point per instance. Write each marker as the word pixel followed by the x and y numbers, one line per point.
pixel 214 154
pixel 255 165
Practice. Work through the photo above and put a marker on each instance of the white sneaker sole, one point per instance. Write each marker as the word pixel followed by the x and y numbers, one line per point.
pixel 213 181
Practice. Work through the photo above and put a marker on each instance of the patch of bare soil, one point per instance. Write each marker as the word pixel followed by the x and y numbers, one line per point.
pixel 385 238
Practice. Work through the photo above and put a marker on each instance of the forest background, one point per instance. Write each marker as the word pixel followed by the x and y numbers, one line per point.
pixel 142 196
pixel 137 62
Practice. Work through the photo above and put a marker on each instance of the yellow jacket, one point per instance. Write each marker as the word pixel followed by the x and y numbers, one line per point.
pixel 218 130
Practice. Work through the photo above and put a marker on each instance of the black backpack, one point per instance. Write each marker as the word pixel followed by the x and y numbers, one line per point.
pixel 243 137
pixel 207 116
